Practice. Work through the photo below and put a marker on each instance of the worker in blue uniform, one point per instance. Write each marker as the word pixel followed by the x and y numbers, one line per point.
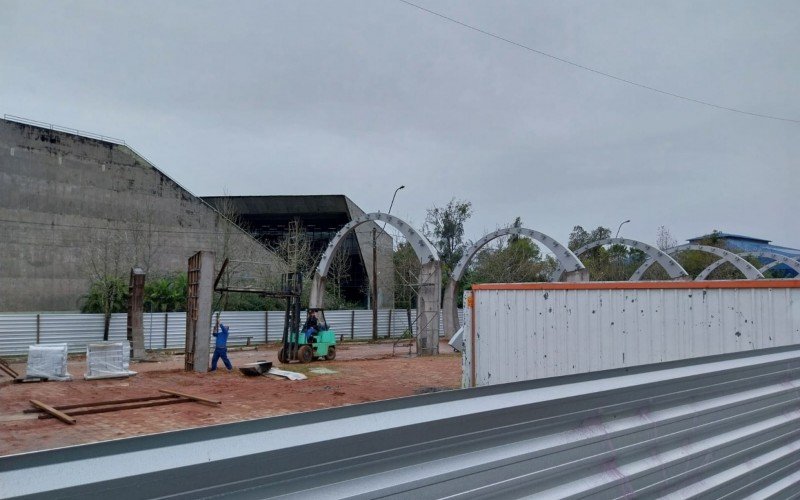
pixel 221 346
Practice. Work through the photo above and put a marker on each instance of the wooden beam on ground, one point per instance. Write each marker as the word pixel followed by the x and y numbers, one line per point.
pixel 107 409
pixel 8 370
pixel 52 411
pixel 105 403
pixel 194 398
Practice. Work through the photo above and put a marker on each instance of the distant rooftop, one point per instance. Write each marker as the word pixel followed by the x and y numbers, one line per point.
pixel 730 236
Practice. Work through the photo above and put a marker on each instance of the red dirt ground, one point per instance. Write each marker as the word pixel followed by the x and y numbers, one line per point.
pixel 364 372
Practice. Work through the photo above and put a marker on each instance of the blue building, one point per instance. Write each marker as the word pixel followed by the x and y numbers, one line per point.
pixel 739 243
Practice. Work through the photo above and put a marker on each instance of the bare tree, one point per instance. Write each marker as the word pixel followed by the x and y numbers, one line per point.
pixel 338 273
pixel 107 259
pixel 664 239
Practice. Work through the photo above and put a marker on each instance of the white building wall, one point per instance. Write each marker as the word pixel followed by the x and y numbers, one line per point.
pixel 531 331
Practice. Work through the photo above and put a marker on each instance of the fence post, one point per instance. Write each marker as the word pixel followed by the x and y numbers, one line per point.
pixel 38 327
pixel 389 328
pixel 266 327
pixel 352 323
pixel 166 320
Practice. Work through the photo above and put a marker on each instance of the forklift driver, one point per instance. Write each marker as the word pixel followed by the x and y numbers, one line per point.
pixel 311 326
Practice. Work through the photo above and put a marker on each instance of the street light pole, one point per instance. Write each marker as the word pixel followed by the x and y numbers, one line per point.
pixel 375 270
pixel 620 226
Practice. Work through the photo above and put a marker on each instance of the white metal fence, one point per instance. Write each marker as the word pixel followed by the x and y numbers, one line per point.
pixel 168 330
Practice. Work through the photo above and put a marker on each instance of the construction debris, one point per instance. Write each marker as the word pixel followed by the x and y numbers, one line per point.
pixel 67 413
pixel 5 368
pixel 256 369
pixel 287 374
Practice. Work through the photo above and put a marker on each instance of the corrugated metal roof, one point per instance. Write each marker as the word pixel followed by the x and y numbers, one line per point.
pixel 726 426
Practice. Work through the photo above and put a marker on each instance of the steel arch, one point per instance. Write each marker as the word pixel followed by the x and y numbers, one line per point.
pixel 425 251
pixel 777 259
pixel 742 265
pixel 670 265
pixel 429 295
pixel 566 261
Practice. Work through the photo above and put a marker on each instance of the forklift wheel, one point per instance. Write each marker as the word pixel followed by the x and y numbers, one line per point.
pixel 331 353
pixel 305 355
pixel 282 356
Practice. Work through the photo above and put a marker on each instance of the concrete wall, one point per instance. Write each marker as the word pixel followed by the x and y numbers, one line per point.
pixel 385 252
pixel 71 205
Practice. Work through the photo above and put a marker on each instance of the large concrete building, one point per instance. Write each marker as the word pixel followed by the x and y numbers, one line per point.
pixel 74 206
pixel 268 219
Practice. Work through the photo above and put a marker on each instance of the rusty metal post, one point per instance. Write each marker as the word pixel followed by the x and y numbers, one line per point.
pixel 199 295
pixel 136 313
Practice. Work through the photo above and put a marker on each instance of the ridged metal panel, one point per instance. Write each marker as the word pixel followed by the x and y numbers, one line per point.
pixel 153 326
pixel 529 334
pixel 176 330
pixel 78 330
pixel 242 324
pixel 720 427
pixel 17 332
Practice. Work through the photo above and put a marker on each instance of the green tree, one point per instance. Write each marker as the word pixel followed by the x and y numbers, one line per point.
pixel 107 295
pixel 445 227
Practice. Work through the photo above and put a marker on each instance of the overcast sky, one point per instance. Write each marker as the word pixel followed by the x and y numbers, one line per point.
pixel 321 97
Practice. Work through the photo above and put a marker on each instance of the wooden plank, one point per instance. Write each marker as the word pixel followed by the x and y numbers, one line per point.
pixel 108 409
pixel 52 411
pixel 105 403
pixel 7 369
pixel 195 398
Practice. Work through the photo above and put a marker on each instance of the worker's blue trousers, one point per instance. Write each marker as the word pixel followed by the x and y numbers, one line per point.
pixel 221 352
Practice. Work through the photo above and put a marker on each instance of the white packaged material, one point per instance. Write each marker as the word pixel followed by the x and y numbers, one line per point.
pixel 107 360
pixel 48 361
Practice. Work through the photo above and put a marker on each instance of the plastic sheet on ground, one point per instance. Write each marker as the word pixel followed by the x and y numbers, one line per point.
pixel 107 360
pixel 48 361
pixel 287 374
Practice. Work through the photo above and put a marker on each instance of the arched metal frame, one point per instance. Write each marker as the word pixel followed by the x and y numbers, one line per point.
pixel 670 265
pixel 777 259
pixel 429 294
pixel 424 250
pixel 568 263
pixel 566 259
pixel 742 265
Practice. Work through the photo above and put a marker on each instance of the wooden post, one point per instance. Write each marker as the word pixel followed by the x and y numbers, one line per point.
pixel 136 313
pixel 389 328
pixel 166 321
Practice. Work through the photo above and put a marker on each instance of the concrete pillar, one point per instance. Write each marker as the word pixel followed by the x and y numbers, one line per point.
pixel 449 309
pixel 428 301
pixel 316 298
pixel 200 292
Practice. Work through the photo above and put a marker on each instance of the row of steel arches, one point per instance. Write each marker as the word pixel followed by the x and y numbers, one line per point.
pixel 570 268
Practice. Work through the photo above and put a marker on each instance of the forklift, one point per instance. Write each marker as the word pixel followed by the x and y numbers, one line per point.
pixel 296 347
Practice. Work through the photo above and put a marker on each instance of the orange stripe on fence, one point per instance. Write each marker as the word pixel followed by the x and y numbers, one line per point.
pixel 640 285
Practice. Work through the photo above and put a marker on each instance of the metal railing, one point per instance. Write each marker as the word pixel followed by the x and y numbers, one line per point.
pixel 59 128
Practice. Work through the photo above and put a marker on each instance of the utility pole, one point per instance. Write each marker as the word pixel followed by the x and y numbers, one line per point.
pixel 374 284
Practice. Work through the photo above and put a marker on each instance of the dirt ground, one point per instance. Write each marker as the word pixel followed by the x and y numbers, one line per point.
pixel 363 372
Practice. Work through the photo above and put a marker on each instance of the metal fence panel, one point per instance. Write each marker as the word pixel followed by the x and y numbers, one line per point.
pixel 176 330
pixel 17 332
pixel 529 333
pixel 168 330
